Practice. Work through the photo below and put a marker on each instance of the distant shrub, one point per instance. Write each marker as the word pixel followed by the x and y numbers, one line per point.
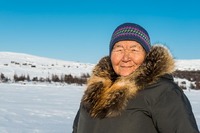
pixel 19 78
pixel 67 78
pixel 35 79
pixel 55 78
pixel 3 78
pixel 193 76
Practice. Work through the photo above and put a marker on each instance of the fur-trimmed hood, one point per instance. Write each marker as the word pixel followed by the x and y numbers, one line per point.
pixel 107 94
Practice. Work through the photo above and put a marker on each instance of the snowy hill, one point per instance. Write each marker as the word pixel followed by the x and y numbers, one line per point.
pixel 188 65
pixel 34 66
pixel 40 67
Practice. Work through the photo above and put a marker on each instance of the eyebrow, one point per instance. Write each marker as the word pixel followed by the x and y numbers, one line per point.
pixel 134 46
pixel 117 45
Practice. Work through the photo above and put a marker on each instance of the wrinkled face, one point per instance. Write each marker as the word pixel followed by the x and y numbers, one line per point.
pixel 126 57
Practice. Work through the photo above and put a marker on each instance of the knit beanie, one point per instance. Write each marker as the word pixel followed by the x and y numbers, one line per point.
pixel 132 32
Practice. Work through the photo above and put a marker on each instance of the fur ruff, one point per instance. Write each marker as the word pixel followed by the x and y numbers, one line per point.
pixel 107 94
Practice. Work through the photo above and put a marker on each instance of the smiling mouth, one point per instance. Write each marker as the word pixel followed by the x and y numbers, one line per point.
pixel 126 66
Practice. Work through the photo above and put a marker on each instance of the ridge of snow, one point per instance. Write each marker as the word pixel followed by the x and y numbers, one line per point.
pixel 35 66
pixel 24 64
pixel 189 65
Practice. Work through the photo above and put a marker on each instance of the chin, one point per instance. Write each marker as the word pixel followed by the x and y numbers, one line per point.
pixel 125 74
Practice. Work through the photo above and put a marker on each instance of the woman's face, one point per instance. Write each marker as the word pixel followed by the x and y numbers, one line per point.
pixel 126 57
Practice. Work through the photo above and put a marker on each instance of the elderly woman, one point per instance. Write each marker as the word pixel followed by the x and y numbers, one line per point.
pixel 132 90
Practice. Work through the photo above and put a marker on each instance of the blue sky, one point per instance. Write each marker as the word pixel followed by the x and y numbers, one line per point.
pixel 78 30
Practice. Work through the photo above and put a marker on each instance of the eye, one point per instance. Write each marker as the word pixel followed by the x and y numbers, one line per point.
pixel 134 49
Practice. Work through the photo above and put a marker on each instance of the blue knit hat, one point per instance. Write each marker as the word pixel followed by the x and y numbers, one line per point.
pixel 132 32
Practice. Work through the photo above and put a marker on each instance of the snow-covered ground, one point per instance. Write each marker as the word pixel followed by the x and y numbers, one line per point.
pixel 46 108
pixel 38 108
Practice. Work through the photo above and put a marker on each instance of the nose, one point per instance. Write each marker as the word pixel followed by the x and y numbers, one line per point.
pixel 126 56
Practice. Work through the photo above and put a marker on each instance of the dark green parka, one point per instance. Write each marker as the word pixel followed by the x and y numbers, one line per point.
pixel 147 101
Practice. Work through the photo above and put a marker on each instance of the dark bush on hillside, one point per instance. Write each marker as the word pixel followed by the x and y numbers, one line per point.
pixel 193 76
pixel 3 78
pixel 67 78
pixel 19 78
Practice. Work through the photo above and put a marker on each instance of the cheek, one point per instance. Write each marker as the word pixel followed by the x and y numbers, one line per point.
pixel 139 59
pixel 115 59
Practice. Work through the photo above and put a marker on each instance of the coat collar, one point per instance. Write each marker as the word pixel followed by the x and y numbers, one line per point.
pixel 107 94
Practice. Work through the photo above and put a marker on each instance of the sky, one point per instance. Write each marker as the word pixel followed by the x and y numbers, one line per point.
pixel 77 30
